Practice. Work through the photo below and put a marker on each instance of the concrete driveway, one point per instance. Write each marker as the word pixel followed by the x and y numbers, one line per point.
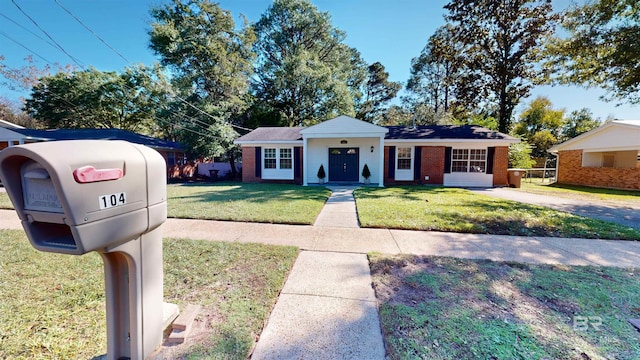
pixel 627 215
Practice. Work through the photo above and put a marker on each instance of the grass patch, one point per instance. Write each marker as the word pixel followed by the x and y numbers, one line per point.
pixel 580 192
pixel 445 308
pixel 52 305
pixel 5 203
pixel 459 210
pixel 267 203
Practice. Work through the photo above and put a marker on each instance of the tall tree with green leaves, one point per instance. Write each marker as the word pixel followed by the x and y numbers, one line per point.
pixel 378 91
pixel 501 42
pixel 434 72
pixel 577 123
pixel 211 61
pixel 601 49
pixel 540 125
pixel 94 99
pixel 304 69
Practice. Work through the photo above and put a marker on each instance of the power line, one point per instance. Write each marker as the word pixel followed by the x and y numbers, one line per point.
pixel 47 34
pixel 118 53
pixel 24 47
pixel 92 32
pixel 29 31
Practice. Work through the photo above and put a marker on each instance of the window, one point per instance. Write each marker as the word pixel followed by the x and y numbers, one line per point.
pixel 270 160
pixel 469 160
pixel 285 158
pixel 404 158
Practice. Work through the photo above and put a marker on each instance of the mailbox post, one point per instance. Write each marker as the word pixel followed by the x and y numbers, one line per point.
pixel 78 196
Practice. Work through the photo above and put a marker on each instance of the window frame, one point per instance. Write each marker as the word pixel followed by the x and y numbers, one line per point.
pixel 463 160
pixel 278 160
pixel 404 174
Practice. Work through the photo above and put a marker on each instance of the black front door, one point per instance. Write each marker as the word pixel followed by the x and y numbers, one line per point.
pixel 344 164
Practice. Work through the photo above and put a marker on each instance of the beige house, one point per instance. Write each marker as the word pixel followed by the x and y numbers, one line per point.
pixel 608 157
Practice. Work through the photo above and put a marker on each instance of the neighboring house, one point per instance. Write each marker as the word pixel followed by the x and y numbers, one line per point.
pixel 608 156
pixel 173 152
pixel 438 155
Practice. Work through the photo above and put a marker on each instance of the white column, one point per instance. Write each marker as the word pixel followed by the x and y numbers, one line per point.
pixel 305 144
pixel 381 162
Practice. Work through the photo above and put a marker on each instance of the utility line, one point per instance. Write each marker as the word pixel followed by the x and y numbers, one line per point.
pixel 47 34
pixel 24 47
pixel 29 31
pixel 118 53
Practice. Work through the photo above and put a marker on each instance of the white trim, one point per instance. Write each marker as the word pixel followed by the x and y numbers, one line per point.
pixel 277 173
pixel 404 174
pixel 269 142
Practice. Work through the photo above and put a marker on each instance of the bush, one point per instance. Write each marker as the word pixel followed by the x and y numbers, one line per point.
pixel 321 173
pixel 365 172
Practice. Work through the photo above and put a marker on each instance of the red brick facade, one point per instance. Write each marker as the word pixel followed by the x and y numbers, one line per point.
pixel 500 165
pixel 249 165
pixel 432 165
pixel 571 172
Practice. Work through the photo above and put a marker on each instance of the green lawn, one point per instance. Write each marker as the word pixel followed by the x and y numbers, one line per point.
pixel 268 203
pixel 52 305
pixel 5 203
pixel 459 210
pixel 581 192
pixel 445 308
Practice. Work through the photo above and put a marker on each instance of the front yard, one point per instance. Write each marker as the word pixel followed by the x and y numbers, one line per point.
pixel 459 210
pixel 52 305
pixel 445 308
pixel 267 203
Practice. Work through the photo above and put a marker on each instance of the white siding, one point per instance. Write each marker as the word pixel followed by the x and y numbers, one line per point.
pixel 468 180
pixel 318 153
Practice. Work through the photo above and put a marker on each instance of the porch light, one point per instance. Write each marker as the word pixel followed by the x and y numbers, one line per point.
pixel 372 147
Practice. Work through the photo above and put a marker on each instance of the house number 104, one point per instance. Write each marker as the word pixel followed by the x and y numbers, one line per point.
pixel 112 200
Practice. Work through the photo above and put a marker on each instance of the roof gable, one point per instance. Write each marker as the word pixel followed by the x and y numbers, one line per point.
pixel 344 125
pixel 614 135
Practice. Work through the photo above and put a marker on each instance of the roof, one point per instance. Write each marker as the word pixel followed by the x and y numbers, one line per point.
pixel 343 126
pixel 98 134
pixel 272 134
pixel 430 132
pixel 612 136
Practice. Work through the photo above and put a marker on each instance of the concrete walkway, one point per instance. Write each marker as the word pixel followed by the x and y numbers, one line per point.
pixel 626 215
pixel 339 210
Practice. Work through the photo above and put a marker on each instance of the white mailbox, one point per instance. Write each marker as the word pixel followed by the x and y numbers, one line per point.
pixel 106 196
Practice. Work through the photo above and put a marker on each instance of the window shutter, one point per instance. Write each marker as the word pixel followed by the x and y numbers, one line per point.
pixel 392 162
pixel 258 161
pixel 417 163
pixel 297 162
pixel 447 160
pixel 491 151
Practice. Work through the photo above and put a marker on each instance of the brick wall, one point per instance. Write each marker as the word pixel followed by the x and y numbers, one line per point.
pixel 387 163
pixel 432 165
pixel 500 165
pixel 570 171
pixel 249 165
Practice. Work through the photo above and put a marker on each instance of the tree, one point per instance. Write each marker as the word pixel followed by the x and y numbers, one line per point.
pixel 211 61
pixel 10 111
pixel 601 49
pixel 540 126
pixel 520 155
pixel 578 122
pixel 434 73
pixel 28 75
pixel 378 91
pixel 94 99
pixel 304 70
pixel 500 42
